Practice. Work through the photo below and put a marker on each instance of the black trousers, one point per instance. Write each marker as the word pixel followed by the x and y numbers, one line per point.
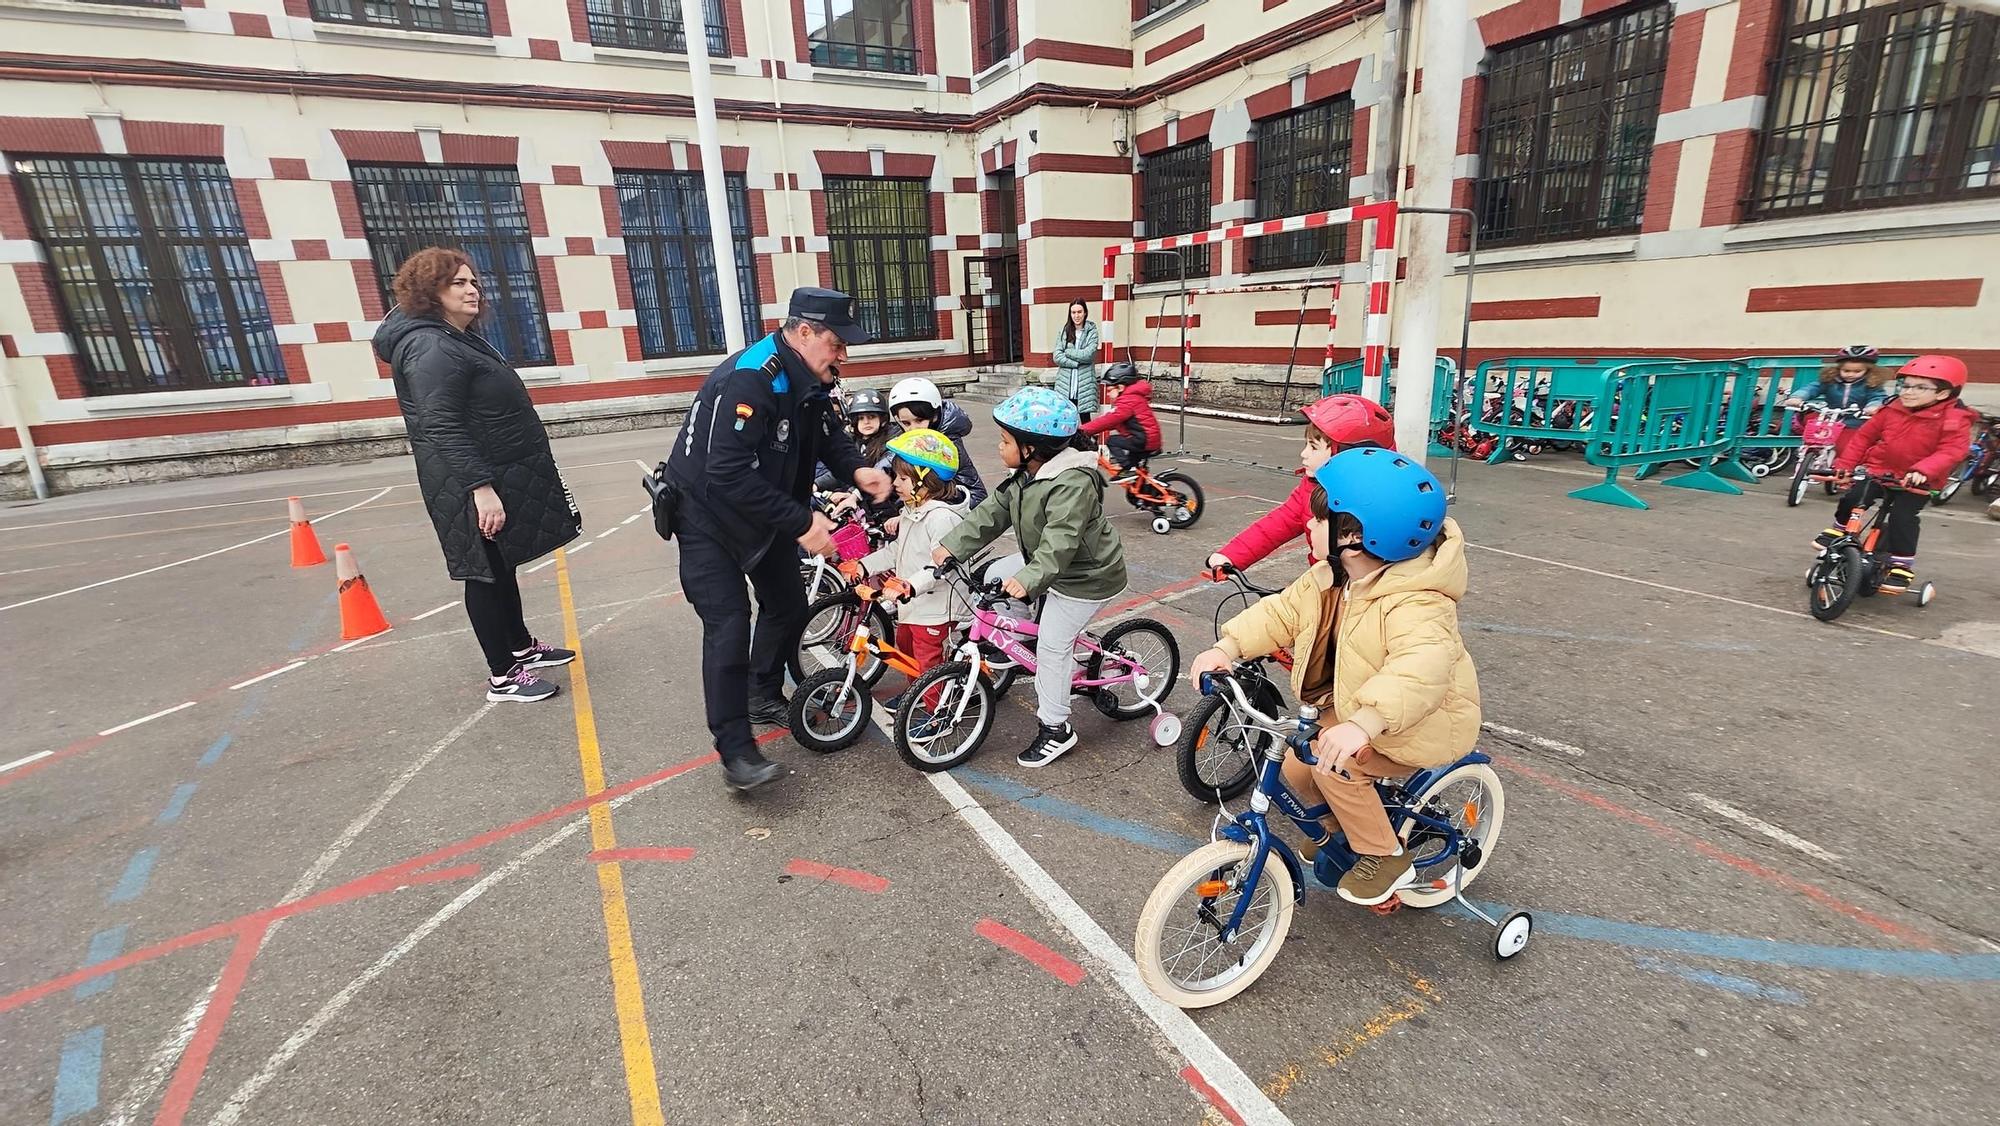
pixel 1900 528
pixel 1126 449
pixel 737 662
pixel 495 610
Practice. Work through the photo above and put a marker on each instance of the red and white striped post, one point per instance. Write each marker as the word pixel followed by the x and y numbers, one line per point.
pixel 1375 329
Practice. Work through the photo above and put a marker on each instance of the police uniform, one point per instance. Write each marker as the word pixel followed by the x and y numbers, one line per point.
pixel 743 462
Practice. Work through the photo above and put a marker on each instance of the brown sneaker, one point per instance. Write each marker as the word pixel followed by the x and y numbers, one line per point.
pixel 1374 879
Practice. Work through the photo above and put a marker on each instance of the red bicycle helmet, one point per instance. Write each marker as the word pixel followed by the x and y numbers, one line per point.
pixel 1353 420
pixel 1948 370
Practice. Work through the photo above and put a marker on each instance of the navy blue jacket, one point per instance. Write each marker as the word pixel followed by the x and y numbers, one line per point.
pixel 1834 393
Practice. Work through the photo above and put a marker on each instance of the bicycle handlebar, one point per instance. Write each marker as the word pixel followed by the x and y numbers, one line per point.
pixel 1303 728
pixel 1229 572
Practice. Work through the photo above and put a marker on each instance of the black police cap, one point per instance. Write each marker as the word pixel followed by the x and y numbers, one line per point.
pixel 828 307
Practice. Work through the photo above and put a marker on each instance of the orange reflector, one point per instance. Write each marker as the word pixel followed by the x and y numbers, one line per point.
pixel 1201 739
pixel 859 641
pixel 1209 889
pixel 1471 816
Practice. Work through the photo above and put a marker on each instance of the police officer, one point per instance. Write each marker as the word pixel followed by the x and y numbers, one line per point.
pixel 744 465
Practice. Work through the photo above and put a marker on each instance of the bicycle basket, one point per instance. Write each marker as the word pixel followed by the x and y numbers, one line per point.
pixel 851 541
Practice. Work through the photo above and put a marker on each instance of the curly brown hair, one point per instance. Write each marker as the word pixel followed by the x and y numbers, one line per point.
pixel 423 275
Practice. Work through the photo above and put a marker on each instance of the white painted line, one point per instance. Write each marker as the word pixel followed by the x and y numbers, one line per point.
pixel 267 676
pixel 36 757
pixel 578 547
pixel 642 465
pixel 631 518
pixel 608 531
pixel 1759 825
pixel 361 641
pixel 191 559
pixel 1535 740
pixel 539 566
pixel 439 610
pixel 189 508
pixel 145 719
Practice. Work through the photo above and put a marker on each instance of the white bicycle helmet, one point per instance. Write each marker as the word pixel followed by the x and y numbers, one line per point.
pixel 916 390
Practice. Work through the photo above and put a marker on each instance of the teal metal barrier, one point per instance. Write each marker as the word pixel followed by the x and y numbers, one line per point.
pixel 1556 398
pixel 1777 377
pixel 1345 379
pixel 1651 414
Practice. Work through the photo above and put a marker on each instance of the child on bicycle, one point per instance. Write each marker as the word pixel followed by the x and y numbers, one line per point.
pixel 925 464
pixel 1054 502
pixel 1333 424
pixel 1132 431
pixel 1914 441
pixel 1374 631
pixel 868 423
pixel 1851 379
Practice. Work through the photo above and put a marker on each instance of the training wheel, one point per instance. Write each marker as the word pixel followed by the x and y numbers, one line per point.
pixel 1166 729
pixel 1925 593
pixel 1161 525
pixel 1512 937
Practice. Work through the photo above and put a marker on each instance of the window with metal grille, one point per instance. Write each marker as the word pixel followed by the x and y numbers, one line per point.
pixel 1879 104
pixel 862 34
pixel 1174 199
pixel 878 234
pixel 154 269
pixel 1148 7
pixel 477 210
pixel 138 3
pixel 997 37
pixel 1302 166
pixel 1567 134
pixel 451 17
pixel 672 258
pixel 652 25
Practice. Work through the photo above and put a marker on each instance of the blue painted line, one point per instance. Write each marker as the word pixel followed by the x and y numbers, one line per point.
pixel 250 706
pixel 76 1075
pixel 136 874
pixel 214 752
pixel 1844 959
pixel 177 804
pixel 104 946
pixel 1741 986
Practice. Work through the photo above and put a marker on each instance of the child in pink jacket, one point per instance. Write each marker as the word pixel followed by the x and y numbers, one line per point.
pixel 1335 423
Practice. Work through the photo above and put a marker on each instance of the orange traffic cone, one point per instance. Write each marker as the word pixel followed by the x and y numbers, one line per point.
pixel 360 616
pixel 305 545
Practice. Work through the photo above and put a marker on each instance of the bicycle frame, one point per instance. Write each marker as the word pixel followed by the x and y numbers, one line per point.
pixel 1141 485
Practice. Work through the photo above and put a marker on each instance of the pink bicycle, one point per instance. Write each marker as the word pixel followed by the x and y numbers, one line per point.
pixel 947 714
pixel 1819 434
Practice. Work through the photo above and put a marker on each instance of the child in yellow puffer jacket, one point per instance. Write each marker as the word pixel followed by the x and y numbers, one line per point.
pixel 1374 635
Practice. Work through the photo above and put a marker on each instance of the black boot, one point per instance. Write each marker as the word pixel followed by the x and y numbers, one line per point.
pixel 771 711
pixel 749 772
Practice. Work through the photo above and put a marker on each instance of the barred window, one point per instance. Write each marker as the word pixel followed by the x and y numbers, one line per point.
pixel 996 40
pixel 138 3
pixel 863 34
pixel 879 237
pixel 1303 166
pixel 451 17
pixel 154 270
pixel 1174 197
pixel 1880 103
pixel 667 245
pixel 1567 134
pixel 653 25
pixel 477 210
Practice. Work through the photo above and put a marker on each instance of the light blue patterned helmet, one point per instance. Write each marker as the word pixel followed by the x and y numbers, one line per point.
pixel 1039 412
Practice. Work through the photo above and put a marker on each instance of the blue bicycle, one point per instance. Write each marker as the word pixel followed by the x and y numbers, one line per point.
pixel 1215 921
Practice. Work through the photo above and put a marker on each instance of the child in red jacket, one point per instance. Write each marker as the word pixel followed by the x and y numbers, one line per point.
pixel 1133 433
pixel 1915 440
pixel 1333 424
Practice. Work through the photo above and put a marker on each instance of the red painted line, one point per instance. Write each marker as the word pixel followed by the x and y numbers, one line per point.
pixel 614 855
pixel 1211 1095
pixel 1142 599
pixel 1045 959
pixel 854 878
pixel 194 1062
pixel 1813 892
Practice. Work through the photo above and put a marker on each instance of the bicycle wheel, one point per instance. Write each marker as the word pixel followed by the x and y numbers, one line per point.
pixel 829 623
pixel 1219 748
pixel 1801 480
pixel 1149 645
pixel 829 714
pixel 1188 499
pixel 1178 946
pixel 1983 483
pixel 945 717
pixel 1943 496
pixel 1469 797
pixel 820 580
pixel 1834 581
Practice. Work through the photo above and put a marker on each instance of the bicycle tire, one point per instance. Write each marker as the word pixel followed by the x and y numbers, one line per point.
pixel 1186 514
pixel 822 691
pixel 1233 977
pixel 1107 698
pixel 1196 736
pixel 872 666
pixel 1840 569
pixel 948 681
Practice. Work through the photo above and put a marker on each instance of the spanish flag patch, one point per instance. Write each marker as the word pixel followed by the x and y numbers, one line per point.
pixel 744 410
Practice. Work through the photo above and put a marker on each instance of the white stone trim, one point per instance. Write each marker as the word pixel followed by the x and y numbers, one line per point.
pixel 818 244
pixel 565 321
pixel 183 402
pixel 1362 186
pixel 621 318
pixel 1711 119
pixel 1682 7
pixel 412 40
pixel 430 141
pixel 574 52
pixel 1465 166
pixel 21 250
pixel 531 169
pixel 767 244
pixel 1688 242
pixel 1881 224
pixel 72 11
pixel 946 304
pixel 1569 11
pixel 44 344
pixel 272 250
pixel 241 159
pixel 568 373
pixel 944 242
pixel 606 247
pixel 877 157
pixel 349 249
pixel 1152 20
pixel 210 21
pixel 295 334
pixel 550 246
pixel 896 349
pixel 330 163
pixel 362 330
pixel 110 127
pixel 1619 248
pixel 991 240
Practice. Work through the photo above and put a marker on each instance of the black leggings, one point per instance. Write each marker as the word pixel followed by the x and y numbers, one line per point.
pixel 495 610
pixel 1899 528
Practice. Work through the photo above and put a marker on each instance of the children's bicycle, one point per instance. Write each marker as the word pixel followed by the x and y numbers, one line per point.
pixel 1819 434
pixel 1982 464
pixel 1220 746
pixel 1215 921
pixel 949 711
pixel 1853 565
pixel 1174 498
pixel 831 707
pixel 854 536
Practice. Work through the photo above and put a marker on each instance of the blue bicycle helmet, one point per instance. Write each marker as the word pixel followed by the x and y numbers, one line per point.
pixel 1038 412
pixel 1399 503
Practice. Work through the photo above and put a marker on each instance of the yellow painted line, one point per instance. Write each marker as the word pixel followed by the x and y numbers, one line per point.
pixel 642 1078
pixel 1343 1047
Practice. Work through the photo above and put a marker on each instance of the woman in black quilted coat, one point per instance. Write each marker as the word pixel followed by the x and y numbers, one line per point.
pixel 483 461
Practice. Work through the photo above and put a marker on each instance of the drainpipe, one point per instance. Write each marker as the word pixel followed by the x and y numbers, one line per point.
pixel 784 152
pixel 1386 147
pixel 28 451
pixel 720 231
pixel 1441 53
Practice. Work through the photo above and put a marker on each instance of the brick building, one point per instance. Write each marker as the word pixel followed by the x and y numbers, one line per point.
pixel 201 200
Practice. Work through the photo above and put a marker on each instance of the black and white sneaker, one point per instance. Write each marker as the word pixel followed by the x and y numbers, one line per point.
pixel 539 655
pixel 1050 744
pixel 522 685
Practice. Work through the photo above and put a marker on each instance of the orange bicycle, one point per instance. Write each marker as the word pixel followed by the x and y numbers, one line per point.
pixel 1174 498
pixel 831 708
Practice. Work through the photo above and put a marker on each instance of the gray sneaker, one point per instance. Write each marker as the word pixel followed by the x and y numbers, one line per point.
pixel 522 685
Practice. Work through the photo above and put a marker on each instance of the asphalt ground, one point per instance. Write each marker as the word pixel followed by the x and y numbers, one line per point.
pixel 352 892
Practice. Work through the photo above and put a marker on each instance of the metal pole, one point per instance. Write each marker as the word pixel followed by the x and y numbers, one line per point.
pixel 36 481
pixel 1442 57
pixel 1298 330
pixel 1464 331
pixel 1187 373
pixel 720 231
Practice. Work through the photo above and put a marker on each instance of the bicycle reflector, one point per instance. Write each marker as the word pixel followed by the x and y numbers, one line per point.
pixel 1471 815
pixel 1209 889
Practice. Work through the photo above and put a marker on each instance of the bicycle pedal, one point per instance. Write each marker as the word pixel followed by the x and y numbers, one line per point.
pixel 1389 907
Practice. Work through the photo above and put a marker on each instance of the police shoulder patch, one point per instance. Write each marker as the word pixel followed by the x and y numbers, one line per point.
pixel 745 410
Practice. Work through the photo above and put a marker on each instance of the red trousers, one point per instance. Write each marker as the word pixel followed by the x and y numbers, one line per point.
pixel 923 644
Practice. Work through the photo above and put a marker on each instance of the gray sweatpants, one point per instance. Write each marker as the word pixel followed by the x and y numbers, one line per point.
pixel 1062 619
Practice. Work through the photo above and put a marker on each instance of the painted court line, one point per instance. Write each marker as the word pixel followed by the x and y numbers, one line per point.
pixel 631 518
pixel 439 610
pixel 189 508
pixel 538 566
pixel 76 1075
pixel 138 873
pixel 342 648
pixel 579 547
pixel 177 803
pixel 846 877
pixel 130 724
pixel 1741 986
pixel 262 677
pixel 1037 955
pixel 1534 740
pixel 104 946
pixel 36 757
pixel 644 854
pixel 1759 825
